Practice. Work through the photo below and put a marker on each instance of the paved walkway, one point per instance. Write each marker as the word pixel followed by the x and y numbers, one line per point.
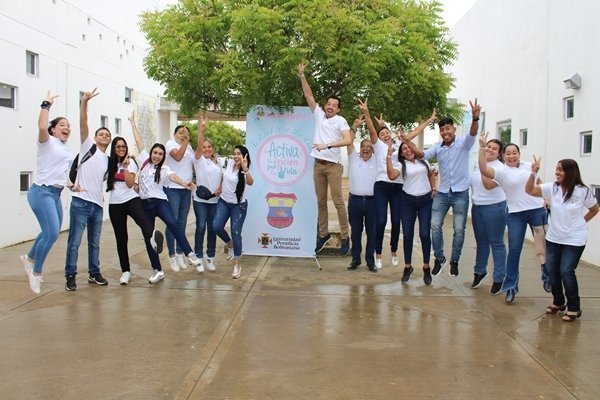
pixel 286 330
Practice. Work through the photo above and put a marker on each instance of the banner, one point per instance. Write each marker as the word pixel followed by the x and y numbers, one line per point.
pixel 282 206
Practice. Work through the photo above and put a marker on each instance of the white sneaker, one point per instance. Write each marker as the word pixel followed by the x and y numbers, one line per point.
pixel 210 264
pixel 195 261
pixel 394 261
pixel 173 264
pixel 28 265
pixel 237 271
pixel 200 267
pixel 180 262
pixel 35 282
pixel 156 276
pixel 378 264
pixel 124 280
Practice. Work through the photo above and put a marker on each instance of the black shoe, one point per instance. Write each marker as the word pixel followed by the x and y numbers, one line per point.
pixel 71 284
pixel 496 286
pixel 427 276
pixel 453 268
pixel 510 296
pixel 345 248
pixel 438 265
pixel 372 268
pixel 477 279
pixel 97 279
pixel 353 265
pixel 321 242
pixel 406 274
pixel 156 241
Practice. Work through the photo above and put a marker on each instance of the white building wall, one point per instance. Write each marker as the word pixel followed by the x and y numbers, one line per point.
pixel 514 56
pixel 110 57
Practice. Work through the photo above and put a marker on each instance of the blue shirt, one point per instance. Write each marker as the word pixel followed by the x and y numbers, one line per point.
pixel 453 163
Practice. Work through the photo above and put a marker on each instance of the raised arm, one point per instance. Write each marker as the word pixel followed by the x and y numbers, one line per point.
pixel 357 123
pixel 136 133
pixel 482 160
pixel 419 153
pixel 43 134
pixel 475 112
pixel 368 121
pixel 308 94
pixel 392 173
pixel 179 152
pixel 201 137
pixel 532 187
pixel 419 129
pixel 84 130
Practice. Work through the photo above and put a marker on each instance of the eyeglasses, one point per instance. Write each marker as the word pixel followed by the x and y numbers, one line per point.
pixel 121 147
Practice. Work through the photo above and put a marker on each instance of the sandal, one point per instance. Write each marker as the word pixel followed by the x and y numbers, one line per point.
pixel 552 309
pixel 571 316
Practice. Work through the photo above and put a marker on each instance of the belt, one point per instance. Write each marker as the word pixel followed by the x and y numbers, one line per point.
pixel 360 197
pixel 321 161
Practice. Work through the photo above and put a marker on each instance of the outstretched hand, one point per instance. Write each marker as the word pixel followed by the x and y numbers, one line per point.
pixel 131 118
pixel 358 121
pixel 362 105
pixel 535 165
pixel 301 68
pixel 89 95
pixel 380 121
pixel 50 98
pixel 475 108
pixel 203 121
pixel 483 139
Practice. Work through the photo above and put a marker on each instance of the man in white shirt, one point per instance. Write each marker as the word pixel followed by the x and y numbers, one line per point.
pixel 331 133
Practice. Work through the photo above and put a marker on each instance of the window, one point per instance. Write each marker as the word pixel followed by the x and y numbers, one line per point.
pixel 523 137
pixel 586 143
pixel 596 191
pixel 103 121
pixel 31 61
pixel 25 180
pixel 128 94
pixel 482 122
pixel 569 107
pixel 8 95
pixel 504 131
pixel 117 126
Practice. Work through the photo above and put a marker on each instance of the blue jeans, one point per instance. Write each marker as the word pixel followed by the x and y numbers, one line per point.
pixel 84 214
pixel 442 202
pixel 237 214
pixel 179 200
pixel 489 223
pixel 205 216
pixel 361 213
pixel 47 207
pixel 387 193
pixel 412 207
pixel 517 224
pixel 160 208
pixel 562 260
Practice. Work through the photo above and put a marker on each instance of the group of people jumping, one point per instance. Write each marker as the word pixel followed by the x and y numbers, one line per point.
pixel 158 183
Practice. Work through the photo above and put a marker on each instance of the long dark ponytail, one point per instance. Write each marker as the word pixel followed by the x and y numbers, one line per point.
pixel 241 185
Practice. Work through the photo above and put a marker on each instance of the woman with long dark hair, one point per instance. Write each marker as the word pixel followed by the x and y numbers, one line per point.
pixel 567 232
pixel 233 204
pixel 53 161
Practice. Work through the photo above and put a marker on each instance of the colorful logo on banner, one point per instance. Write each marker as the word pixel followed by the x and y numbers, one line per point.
pixel 280 209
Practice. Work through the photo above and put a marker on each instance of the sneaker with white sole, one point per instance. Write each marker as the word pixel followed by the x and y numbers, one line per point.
pixel 395 261
pixel 210 264
pixel 193 259
pixel 156 276
pixel 124 279
pixel 173 264
pixel 180 261
pixel 35 281
pixel 27 264
pixel 378 264
pixel 200 267
pixel 156 241
pixel 237 271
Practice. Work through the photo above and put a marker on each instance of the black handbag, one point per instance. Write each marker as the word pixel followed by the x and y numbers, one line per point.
pixel 204 193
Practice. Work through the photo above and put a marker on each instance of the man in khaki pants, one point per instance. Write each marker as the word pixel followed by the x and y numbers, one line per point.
pixel 331 133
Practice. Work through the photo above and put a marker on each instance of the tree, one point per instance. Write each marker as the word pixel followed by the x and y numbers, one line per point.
pixel 233 54
pixel 224 136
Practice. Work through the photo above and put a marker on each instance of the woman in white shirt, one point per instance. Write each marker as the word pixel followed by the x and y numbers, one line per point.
pixel 53 161
pixel 180 159
pixel 233 204
pixel 567 233
pixel 208 174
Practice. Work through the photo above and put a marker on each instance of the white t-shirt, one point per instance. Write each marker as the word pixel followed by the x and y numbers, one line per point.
pixel 482 196
pixel 328 130
pixel 361 174
pixel 208 173
pixel 230 181
pixel 380 150
pixel 567 225
pixel 513 181
pixel 91 174
pixel 121 193
pixel 148 188
pixel 53 162
pixel 416 181
pixel 183 168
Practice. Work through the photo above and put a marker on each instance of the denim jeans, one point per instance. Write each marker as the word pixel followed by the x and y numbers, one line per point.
pixel 205 216
pixel 47 207
pixel 387 193
pixel 489 224
pixel 237 214
pixel 84 214
pixel 562 260
pixel 412 207
pixel 361 213
pixel 179 200
pixel 517 224
pixel 160 208
pixel 442 202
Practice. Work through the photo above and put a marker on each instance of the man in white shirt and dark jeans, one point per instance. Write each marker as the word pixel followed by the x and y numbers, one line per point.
pixel 331 133
pixel 87 200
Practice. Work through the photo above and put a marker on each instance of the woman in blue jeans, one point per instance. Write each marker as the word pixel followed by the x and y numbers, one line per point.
pixel 567 232
pixel 233 204
pixel 53 161
pixel 523 209
pixel 488 215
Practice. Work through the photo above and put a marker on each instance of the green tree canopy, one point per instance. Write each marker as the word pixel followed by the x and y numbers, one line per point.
pixel 234 54
pixel 224 136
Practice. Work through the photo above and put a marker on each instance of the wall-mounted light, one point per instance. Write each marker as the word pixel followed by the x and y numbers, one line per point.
pixel 574 82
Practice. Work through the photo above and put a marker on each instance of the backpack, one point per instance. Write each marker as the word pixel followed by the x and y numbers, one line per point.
pixel 75 164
